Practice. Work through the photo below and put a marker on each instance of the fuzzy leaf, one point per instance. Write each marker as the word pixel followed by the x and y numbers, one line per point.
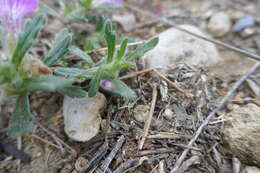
pixel 74 72
pixel 94 83
pixel 140 51
pixel 48 83
pixel 27 38
pixel 83 55
pixel 121 51
pixel 21 121
pixel 74 92
pixel 111 41
pixel 121 89
pixel 60 47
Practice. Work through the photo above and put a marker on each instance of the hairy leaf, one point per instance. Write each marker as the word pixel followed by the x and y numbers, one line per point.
pixel 119 88
pixel 94 83
pixel 111 41
pixel 21 121
pixel 60 47
pixel 74 72
pixel 140 51
pixel 27 38
pixel 121 51
pixel 48 83
pixel 73 92
pixel 83 55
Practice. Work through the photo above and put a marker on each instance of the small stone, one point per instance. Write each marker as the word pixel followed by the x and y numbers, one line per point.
pixel 242 23
pixel 242 133
pixel 251 169
pixel 248 32
pixel 219 24
pixel 177 47
pixel 82 116
pixel 168 113
pixel 141 113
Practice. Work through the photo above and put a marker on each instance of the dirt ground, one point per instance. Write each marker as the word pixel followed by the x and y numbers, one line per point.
pixel 176 117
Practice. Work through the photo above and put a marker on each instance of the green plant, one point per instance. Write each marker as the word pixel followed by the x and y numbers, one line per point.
pixel 105 73
pixel 22 74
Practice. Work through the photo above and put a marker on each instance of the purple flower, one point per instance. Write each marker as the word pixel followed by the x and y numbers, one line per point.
pixel 106 84
pixel 12 12
pixel 97 3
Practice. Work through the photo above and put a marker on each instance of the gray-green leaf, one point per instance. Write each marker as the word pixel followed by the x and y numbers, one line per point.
pixel 74 72
pixel 60 47
pixel 83 55
pixel 48 83
pixel 122 49
pixel 140 51
pixel 121 89
pixel 74 92
pixel 27 38
pixel 94 83
pixel 111 41
pixel 21 121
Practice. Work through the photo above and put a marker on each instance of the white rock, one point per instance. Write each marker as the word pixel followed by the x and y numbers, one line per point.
pixel 141 113
pixel 242 133
pixel 251 169
pixel 219 24
pixel 82 116
pixel 178 47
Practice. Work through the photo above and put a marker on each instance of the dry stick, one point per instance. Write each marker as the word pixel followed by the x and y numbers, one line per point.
pixel 194 160
pixel 47 142
pixel 171 83
pixel 112 154
pixel 149 119
pixel 217 42
pixel 161 76
pixel 136 73
pixel 55 137
pixel 227 98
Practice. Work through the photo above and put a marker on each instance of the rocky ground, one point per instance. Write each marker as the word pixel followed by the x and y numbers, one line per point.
pixel 153 132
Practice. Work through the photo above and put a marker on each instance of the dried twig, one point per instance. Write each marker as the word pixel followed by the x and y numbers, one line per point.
pixel 161 167
pixel 130 164
pixel 171 83
pixel 47 142
pixel 152 152
pixel 161 76
pixel 227 98
pixel 194 160
pixel 149 119
pixel 97 157
pixel 217 42
pixel 56 138
pixel 136 73
pixel 112 154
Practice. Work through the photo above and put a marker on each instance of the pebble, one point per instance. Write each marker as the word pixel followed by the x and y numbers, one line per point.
pixel 219 24
pixel 248 32
pixel 177 47
pixel 251 169
pixel 82 116
pixel 141 112
pixel 241 133
pixel 242 23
